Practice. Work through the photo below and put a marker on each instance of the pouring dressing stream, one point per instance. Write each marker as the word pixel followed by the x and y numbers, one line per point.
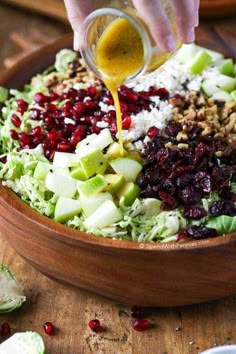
pixel 117 46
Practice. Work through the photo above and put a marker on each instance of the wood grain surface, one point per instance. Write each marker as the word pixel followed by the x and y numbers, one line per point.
pixel 185 330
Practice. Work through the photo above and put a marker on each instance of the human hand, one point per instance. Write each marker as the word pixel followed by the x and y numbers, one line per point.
pixel 185 11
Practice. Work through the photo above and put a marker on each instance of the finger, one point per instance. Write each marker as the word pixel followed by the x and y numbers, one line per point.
pixel 156 18
pixel 186 13
pixel 77 11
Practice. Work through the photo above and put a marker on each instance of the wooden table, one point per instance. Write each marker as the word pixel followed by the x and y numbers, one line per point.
pixel 174 330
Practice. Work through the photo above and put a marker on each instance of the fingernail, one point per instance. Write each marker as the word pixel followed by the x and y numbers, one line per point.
pixel 170 44
pixel 191 36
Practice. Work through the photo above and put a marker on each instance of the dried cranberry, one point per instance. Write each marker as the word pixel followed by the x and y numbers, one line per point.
pixel 198 232
pixel 222 207
pixel 169 201
pixel 173 129
pixel 203 182
pixel 194 212
pixel 189 195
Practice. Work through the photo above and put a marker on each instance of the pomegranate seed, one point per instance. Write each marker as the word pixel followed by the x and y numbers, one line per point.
pixel 65 146
pixel 51 108
pixel 49 328
pixel 14 134
pixel 162 93
pixel 90 106
pixel 141 325
pixel 132 108
pixel 36 114
pixel 92 91
pixel 113 128
pixel 53 96
pixel 54 135
pixel 16 121
pixel 109 101
pixel 40 98
pixel 80 131
pixel 123 107
pixel 78 109
pixel 95 326
pixel 72 93
pixel 67 107
pixel 3 159
pixel 137 311
pixel 22 106
pixel 24 138
pixel 95 130
pixel 5 328
pixel 126 123
pixel 152 132
pixel 36 131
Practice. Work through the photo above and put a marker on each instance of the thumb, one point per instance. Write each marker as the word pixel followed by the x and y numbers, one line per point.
pixel 77 11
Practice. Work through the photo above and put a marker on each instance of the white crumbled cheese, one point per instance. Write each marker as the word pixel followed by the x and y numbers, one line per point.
pixel 102 124
pixel 105 107
pixel 69 121
pixel 141 122
pixel 81 85
pixel 87 98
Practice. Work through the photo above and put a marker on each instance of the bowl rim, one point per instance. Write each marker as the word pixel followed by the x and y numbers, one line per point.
pixel 66 234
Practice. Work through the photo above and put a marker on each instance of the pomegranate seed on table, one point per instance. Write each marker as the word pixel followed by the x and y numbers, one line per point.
pixel 137 311
pixel 5 328
pixel 49 328
pixel 141 324
pixel 96 326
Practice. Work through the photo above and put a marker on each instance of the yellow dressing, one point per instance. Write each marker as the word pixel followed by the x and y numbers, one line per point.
pixel 119 54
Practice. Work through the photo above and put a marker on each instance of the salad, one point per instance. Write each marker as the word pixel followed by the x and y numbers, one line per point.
pixel 177 177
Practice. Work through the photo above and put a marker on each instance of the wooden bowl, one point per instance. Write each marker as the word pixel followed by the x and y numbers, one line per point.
pixel 134 273
pixel 217 8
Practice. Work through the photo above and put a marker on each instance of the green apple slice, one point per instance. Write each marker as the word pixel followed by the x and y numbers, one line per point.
pixel 114 182
pixel 90 204
pixel 66 208
pixel 127 167
pixel 23 343
pixel 200 62
pixel 114 150
pixel 92 186
pixel 93 162
pixel 222 96
pixel 233 94
pixel 227 67
pixel 61 185
pixel 97 141
pixel 102 140
pixel 105 215
pixel 65 159
pixel 129 192
pixel 222 82
pixel 186 53
pixel 216 56
pixel 78 173
pixel 41 170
